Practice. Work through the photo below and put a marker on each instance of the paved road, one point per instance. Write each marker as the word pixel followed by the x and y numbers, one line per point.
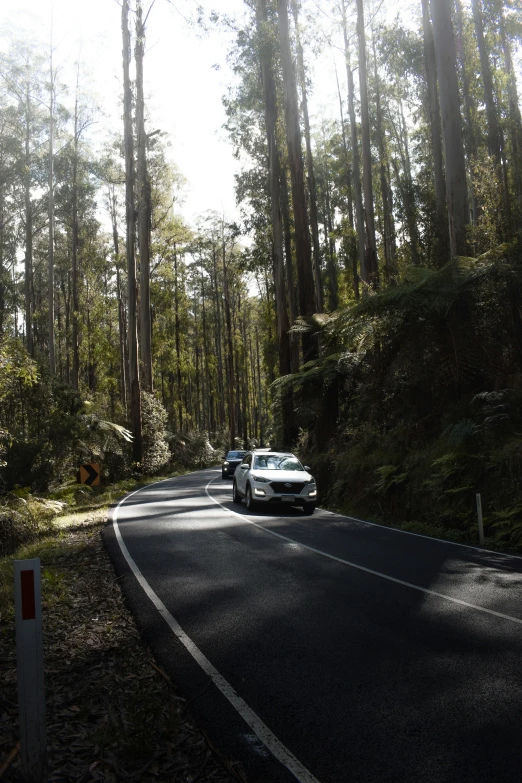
pixel 356 652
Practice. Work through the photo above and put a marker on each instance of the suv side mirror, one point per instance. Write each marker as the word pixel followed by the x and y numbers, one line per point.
pixel 308 468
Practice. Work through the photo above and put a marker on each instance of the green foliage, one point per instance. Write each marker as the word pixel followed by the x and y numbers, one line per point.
pixel 155 447
pixel 429 378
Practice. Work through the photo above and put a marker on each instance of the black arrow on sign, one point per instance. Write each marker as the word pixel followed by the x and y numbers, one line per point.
pixel 93 474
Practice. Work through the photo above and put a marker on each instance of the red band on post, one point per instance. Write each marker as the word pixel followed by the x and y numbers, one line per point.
pixel 28 602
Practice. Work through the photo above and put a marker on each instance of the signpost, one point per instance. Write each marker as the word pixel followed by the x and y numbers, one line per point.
pixel 90 474
pixel 30 669
pixel 479 519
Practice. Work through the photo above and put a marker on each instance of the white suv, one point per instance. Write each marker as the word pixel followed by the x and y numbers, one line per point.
pixel 274 477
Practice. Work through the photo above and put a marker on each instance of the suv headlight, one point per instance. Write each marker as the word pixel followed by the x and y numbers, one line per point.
pixel 312 481
pixel 261 480
pixel 225 463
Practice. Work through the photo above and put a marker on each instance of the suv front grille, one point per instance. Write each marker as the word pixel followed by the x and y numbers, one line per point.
pixel 294 489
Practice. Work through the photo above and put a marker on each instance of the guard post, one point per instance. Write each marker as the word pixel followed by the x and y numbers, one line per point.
pixel 30 670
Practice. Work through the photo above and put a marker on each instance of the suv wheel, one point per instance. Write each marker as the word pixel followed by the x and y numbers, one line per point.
pixel 250 504
pixel 236 497
pixel 309 509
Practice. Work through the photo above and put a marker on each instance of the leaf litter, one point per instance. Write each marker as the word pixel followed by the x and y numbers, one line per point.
pixel 112 713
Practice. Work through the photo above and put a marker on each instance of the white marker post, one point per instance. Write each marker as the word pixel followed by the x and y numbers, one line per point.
pixel 479 517
pixel 30 670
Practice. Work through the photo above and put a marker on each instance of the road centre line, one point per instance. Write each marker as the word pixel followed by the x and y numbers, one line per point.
pixel 260 729
pixel 363 568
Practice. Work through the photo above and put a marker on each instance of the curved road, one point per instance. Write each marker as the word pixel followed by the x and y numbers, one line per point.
pixel 325 649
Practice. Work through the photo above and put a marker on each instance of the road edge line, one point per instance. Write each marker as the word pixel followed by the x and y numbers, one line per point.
pixel 363 568
pixel 260 729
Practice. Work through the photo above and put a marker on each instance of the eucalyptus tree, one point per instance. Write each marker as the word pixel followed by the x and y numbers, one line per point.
pixel 456 184
pixel 305 277
pixel 266 55
pixel 130 213
pixel 144 205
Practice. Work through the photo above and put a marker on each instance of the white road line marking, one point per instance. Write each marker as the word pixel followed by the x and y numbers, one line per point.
pixel 363 568
pixel 419 535
pixel 260 729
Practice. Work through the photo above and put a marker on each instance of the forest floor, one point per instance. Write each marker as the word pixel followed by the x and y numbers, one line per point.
pixel 112 713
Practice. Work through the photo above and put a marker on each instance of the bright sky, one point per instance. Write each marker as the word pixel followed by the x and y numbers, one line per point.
pixel 184 91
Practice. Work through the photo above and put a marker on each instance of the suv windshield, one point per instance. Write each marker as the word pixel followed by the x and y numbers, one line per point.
pixel 277 462
pixel 236 454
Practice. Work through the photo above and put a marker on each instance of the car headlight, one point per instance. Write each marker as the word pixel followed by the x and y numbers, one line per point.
pixel 261 480
pixel 225 463
pixel 311 481
pixel 259 492
pixel 312 493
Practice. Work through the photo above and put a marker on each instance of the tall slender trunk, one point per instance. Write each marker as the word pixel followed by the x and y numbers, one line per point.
pixel 349 194
pixel 371 246
pixel 470 139
pixel 144 209
pixel 495 138
pixel 74 249
pixel 435 130
pixel 289 267
pixel 230 346
pixel 274 174
pixel 411 212
pixel 134 373
pixel 514 109
pixel 28 229
pixel 487 81
pixel 177 338
pixel 52 358
pixel 121 313
pixel 312 190
pixel 305 277
pixel 219 343
pixel 359 210
pixel 456 185
pixel 387 213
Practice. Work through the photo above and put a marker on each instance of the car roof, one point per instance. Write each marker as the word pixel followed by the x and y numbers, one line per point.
pixel 274 453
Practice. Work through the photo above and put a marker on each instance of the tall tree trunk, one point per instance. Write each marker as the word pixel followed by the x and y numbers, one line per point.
pixel 134 373
pixel 52 358
pixel 121 313
pixel 289 267
pixel 456 186
pixel 349 194
pixel 177 338
pixel 495 139
pixel 305 277
pixel 487 81
pixel 28 229
pixel 514 109
pixel 470 140
pixel 219 342
pixel 230 347
pixel 274 173
pixel 359 210
pixel 74 249
pixel 371 246
pixel 435 130
pixel 312 190
pixel 387 213
pixel 144 210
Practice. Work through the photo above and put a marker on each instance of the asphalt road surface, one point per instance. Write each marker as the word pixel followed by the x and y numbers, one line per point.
pixel 324 648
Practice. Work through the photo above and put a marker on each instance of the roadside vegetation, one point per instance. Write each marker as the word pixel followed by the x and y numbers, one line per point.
pixel 112 713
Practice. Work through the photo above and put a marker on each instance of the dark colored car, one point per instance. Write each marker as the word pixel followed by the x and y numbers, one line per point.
pixel 232 460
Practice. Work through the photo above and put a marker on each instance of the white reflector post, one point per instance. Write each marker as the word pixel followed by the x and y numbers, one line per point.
pixel 30 670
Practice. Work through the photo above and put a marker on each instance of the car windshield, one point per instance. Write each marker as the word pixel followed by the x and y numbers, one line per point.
pixel 277 462
pixel 236 454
